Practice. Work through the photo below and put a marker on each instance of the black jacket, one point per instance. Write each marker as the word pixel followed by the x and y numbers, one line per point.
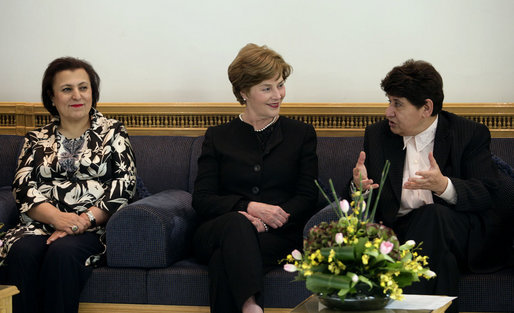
pixel 233 167
pixel 461 149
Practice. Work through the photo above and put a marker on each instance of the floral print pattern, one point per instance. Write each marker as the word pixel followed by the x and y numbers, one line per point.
pixel 97 169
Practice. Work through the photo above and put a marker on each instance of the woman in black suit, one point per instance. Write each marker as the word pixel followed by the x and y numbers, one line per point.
pixel 255 185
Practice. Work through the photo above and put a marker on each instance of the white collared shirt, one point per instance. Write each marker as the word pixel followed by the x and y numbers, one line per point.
pixel 416 159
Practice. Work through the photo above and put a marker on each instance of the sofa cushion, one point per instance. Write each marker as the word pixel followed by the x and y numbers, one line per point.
pixel 163 161
pixel 115 285
pixel 174 285
pixel 336 160
pixel 196 150
pixel 502 147
pixel 11 148
pixel 151 232
pixel 9 214
pixel 492 292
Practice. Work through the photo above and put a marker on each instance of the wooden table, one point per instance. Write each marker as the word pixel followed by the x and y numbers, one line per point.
pixel 6 293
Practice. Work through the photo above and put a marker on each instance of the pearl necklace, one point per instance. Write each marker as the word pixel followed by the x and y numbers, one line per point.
pixel 259 130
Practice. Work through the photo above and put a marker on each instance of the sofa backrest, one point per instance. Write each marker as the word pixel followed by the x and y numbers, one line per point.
pixel 10 147
pixel 504 149
pixel 163 162
pixel 336 159
pixel 170 162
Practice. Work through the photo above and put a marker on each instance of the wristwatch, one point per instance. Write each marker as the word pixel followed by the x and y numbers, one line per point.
pixel 91 217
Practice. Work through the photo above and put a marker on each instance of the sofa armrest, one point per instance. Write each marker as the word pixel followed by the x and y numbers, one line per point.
pixel 9 214
pixel 152 232
pixel 326 214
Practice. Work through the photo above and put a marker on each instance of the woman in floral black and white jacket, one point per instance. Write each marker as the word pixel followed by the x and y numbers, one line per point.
pixel 72 175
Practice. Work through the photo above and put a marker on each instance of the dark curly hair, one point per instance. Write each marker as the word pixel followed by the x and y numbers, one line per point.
pixel 63 64
pixel 416 81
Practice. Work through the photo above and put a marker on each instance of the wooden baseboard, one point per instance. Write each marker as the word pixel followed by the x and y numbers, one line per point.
pixel 140 308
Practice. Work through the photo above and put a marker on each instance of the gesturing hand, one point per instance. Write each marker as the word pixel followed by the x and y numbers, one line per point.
pixel 359 171
pixel 273 215
pixel 432 179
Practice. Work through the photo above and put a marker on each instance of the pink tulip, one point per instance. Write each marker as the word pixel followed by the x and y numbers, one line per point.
pixel 290 268
pixel 345 206
pixel 297 255
pixel 339 238
pixel 386 247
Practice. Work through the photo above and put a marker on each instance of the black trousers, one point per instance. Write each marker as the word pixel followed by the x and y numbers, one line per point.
pixel 444 234
pixel 49 277
pixel 238 257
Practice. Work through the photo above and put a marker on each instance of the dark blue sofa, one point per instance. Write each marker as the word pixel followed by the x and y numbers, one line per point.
pixel 148 254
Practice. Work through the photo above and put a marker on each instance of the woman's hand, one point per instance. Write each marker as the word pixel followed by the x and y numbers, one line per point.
pixel 255 221
pixel 431 179
pixel 56 235
pixel 49 214
pixel 273 215
pixel 64 221
pixel 360 172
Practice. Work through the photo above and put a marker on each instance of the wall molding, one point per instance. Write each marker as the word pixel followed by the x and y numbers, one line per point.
pixel 193 118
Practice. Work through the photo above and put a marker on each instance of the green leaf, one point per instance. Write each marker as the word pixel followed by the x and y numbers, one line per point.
pixel 336 208
pixel 342 293
pixel 343 254
pixel 318 282
pixel 405 278
pixel 365 280
pixel 359 247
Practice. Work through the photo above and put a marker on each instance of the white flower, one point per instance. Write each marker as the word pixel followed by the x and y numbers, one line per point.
pixel 290 268
pixel 339 238
pixel 363 206
pixel 410 243
pixel 430 274
pixel 345 206
pixel 297 255
pixel 355 278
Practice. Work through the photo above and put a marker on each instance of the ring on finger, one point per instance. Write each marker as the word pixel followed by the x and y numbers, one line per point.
pixel 74 228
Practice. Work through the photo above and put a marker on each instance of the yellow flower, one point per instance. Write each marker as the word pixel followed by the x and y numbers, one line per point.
pixel 368 244
pixel 396 294
pixel 341 265
pixel 333 268
pixel 331 255
pixel 365 259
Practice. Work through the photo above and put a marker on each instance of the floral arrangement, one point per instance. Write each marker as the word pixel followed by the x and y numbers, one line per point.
pixel 354 256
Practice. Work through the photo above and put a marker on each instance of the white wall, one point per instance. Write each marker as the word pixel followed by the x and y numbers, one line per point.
pixel 168 51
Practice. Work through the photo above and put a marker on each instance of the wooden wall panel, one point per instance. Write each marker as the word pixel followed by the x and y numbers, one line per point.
pixel 191 119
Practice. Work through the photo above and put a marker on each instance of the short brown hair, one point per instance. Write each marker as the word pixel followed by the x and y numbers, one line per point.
pixel 254 64
pixel 416 81
pixel 63 64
